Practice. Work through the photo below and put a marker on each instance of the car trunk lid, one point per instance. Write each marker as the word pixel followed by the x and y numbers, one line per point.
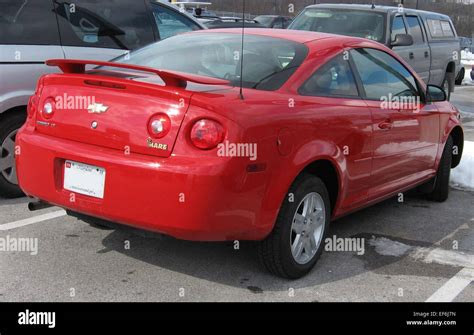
pixel 113 109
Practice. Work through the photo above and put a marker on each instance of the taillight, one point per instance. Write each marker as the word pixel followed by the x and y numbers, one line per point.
pixel 48 109
pixel 159 125
pixel 32 106
pixel 207 134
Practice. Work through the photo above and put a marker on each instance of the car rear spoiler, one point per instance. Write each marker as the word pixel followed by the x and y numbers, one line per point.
pixel 171 78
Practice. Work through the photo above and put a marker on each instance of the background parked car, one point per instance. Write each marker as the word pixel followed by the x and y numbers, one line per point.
pixel 426 40
pixel 232 23
pixel 36 30
pixel 466 44
pixel 274 21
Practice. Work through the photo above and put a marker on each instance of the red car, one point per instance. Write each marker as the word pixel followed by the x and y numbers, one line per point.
pixel 323 126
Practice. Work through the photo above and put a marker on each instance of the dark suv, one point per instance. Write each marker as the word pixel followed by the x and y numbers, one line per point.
pixel 36 30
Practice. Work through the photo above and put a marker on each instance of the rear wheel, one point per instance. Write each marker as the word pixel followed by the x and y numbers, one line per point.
pixel 8 179
pixel 441 183
pixel 296 242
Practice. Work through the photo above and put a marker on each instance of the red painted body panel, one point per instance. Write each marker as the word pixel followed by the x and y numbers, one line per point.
pixel 196 194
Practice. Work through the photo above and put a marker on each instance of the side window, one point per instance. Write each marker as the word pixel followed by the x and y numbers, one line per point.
pixel 382 75
pixel 447 29
pixel 28 22
pixel 440 28
pixel 334 79
pixel 398 27
pixel 415 29
pixel 116 24
pixel 170 22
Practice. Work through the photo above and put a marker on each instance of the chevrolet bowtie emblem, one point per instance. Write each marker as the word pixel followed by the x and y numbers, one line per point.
pixel 97 108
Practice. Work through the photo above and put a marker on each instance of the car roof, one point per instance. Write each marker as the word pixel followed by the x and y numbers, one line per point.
pixel 380 9
pixel 298 36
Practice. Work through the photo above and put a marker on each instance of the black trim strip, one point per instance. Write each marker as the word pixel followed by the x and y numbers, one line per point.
pixel 16 63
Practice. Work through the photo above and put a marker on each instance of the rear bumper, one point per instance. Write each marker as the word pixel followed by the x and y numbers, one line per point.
pixel 207 200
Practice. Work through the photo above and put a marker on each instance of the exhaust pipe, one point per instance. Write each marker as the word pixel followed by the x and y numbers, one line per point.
pixel 37 205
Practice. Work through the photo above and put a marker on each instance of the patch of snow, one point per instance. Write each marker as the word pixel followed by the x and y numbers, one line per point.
pixel 386 247
pixel 462 176
pixel 467 56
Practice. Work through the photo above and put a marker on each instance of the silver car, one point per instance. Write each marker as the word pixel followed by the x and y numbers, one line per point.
pixel 33 31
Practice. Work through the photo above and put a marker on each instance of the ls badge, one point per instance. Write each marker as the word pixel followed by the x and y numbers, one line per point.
pixel 156 145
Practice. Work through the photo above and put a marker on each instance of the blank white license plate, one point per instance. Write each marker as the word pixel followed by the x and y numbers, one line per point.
pixel 84 179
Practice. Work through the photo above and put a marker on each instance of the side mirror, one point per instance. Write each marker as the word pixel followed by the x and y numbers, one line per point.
pixel 402 40
pixel 198 11
pixel 435 93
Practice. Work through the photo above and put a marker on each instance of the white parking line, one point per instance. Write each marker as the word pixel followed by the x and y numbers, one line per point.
pixel 450 290
pixel 444 257
pixel 32 220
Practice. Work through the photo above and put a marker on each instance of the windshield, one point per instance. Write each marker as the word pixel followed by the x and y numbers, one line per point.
pixel 355 23
pixel 268 62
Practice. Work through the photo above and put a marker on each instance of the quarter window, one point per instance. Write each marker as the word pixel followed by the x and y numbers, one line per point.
pixel 334 79
pixel 382 75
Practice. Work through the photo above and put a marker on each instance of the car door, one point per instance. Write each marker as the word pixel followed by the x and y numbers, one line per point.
pixel 336 108
pixel 405 128
pixel 103 30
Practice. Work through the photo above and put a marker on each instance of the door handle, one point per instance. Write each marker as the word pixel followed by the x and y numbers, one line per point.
pixel 386 125
pixel 411 55
pixel 427 54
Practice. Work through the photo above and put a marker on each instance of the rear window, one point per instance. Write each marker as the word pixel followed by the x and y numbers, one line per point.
pixel 356 23
pixel 31 22
pixel 440 28
pixel 268 62
pixel 115 24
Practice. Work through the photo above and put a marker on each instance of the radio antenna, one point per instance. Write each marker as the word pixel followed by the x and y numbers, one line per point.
pixel 242 53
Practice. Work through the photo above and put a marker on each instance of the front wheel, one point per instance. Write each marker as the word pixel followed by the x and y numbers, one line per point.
pixel 441 182
pixel 296 242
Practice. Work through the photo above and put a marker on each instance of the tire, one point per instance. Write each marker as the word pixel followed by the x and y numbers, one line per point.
pixel 447 85
pixel 441 183
pixel 275 252
pixel 460 76
pixel 9 125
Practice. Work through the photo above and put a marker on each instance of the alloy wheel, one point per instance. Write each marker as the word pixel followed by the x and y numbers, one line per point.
pixel 7 158
pixel 307 228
